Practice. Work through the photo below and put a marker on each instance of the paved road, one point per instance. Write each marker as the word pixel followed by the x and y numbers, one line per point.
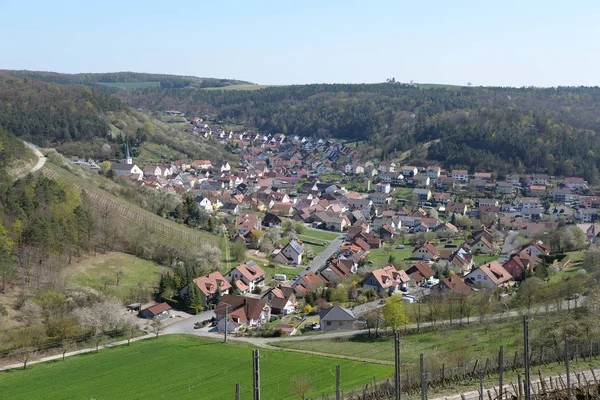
pixel 508 247
pixel 322 257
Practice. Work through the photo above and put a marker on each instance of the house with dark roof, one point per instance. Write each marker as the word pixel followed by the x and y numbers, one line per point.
pixel 338 270
pixel 420 272
pixel 483 246
pixel 291 253
pixel 282 299
pixel 453 284
pixel 236 313
pixel 272 220
pixel 336 318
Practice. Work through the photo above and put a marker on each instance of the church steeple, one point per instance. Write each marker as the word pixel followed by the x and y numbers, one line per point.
pixel 127 159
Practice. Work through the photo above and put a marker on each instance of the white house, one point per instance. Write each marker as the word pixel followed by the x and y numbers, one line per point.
pixel 246 277
pixel 204 203
pixel 121 169
pixel 460 175
pixel 383 187
pixel 291 253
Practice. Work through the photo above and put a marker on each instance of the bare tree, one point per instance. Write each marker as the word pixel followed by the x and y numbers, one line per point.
pixel 66 346
pixel 301 385
pixel 156 326
pixel 25 354
pixel 118 275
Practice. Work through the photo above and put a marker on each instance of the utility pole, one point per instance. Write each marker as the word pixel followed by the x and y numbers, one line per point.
pixel 226 319
pixel 527 383
pixel 256 374
pixel 397 357
pixel 423 383
pixel 237 391
pixel 338 390
pixel 567 366
pixel 501 370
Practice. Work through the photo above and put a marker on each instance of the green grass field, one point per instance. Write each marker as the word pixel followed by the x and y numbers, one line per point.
pixel 239 87
pixel 289 272
pixel 131 85
pixel 380 256
pixel 480 260
pixel 91 272
pixel 317 235
pixel 181 367
pixel 481 340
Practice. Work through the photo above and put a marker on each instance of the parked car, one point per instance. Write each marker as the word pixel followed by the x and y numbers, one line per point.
pixel 409 298
pixel 400 247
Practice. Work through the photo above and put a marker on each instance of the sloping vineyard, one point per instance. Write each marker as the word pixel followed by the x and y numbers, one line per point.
pixel 130 217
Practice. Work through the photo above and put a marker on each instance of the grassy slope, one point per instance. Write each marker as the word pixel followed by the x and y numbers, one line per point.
pixel 180 367
pixel 482 340
pixel 90 272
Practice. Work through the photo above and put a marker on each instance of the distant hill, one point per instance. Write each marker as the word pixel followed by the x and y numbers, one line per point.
pixel 126 80
pixel 552 130
pixel 81 121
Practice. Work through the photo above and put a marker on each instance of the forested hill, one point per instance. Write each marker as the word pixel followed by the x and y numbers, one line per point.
pixel 503 129
pixel 84 122
pixel 126 79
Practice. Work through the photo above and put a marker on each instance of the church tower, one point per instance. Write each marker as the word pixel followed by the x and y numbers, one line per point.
pixel 127 159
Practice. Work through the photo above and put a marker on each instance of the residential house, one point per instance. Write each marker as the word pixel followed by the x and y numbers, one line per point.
pixel 483 246
pixel 423 194
pixel 461 175
pixel 461 260
pixel 536 191
pixel 562 195
pixel 455 285
pixel 307 283
pixel 235 313
pixel 456 208
pixel 485 176
pixel 291 253
pixel 158 311
pixel 331 220
pixel 488 276
pixel 246 223
pixel 271 220
pixel 380 198
pixel 445 183
pixel 504 188
pixel 433 172
pixel 409 170
pixel 362 205
pixel 211 287
pixel 152 170
pixel 420 272
pixel 575 183
pixel 246 277
pixel 387 166
pixel 426 251
pixel 446 229
pixel 421 181
pixel 487 202
pixel 282 300
pixel 231 208
pixel 386 280
pixel 338 270
pixel 532 213
pixel 204 203
pixel 513 179
pixel 382 187
pixel 336 318
pixel 557 212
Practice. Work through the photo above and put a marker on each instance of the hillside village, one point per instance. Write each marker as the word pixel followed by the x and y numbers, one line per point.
pixel 414 230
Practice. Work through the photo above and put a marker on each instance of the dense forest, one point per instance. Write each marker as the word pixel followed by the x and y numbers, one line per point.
pixel 164 80
pixel 502 129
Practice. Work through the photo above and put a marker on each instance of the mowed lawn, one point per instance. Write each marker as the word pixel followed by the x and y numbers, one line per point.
pixel 92 271
pixel 320 235
pixel 381 256
pixel 181 367
pixel 481 340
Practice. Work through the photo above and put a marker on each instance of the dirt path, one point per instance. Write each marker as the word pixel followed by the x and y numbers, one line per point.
pixel 318 353
pixel 24 170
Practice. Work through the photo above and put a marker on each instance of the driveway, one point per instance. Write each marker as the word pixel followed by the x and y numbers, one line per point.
pixel 186 325
pixel 321 258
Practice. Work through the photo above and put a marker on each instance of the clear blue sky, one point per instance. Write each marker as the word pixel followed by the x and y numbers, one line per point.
pixel 515 43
